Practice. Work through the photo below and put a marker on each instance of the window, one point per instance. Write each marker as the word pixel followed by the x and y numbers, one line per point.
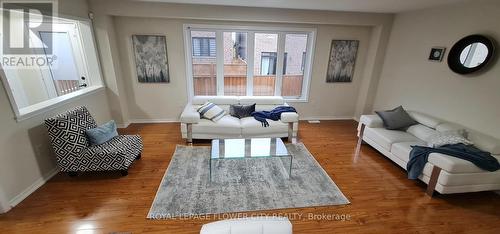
pixel 269 61
pixel 233 60
pixel 73 69
pixel 235 63
pixel 295 60
pixel 204 63
pixel 204 46
pixel 265 51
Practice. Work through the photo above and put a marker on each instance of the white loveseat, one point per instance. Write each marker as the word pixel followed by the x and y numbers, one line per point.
pixel 194 127
pixel 442 173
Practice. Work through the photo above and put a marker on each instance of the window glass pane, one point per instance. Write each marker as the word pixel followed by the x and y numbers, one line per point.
pixel 204 63
pixel 265 60
pixel 293 64
pixel 235 63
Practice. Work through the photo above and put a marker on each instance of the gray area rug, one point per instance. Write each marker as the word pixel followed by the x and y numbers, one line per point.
pixel 241 185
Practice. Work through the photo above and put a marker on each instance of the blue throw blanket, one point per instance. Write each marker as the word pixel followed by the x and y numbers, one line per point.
pixel 274 114
pixel 420 154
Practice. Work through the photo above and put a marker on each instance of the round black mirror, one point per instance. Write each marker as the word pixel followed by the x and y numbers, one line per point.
pixel 470 54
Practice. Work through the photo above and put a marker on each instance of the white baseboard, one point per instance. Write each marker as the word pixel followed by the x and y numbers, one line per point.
pixel 126 124
pixel 327 118
pixel 154 120
pixel 123 125
pixel 37 184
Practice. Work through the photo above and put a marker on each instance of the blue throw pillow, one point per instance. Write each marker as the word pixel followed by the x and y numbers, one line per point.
pixel 102 133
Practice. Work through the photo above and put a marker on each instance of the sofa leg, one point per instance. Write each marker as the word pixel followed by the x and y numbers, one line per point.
pixel 360 139
pixel 433 181
pixel 290 132
pixel 72 173
pixel 124 172
pixel 138 156
pixel 189 133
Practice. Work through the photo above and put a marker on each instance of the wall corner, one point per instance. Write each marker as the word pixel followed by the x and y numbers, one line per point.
pixel 373 69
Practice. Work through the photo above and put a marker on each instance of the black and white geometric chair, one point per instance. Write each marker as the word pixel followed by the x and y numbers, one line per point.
pixel 74 153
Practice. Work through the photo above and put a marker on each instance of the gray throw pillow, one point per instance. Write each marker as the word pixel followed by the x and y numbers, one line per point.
pixel 396 119
pixel 102 133
pixel 241 111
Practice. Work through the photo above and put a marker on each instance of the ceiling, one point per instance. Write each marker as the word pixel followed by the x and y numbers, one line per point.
pixel 378 6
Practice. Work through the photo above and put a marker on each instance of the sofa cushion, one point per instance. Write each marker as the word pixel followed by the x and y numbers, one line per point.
pixel 484 142
pixel 421 131
pixel 265 107
pixel 448 163
pixel 402 149
pixel 480 140
pixel 372 121
pixel 226 125
pixel 455 165
pixel 386 138
pixel 446 126
pixel 425 119
pixel 396 118
pixel 250 126
pixel 261 100
pixel 219 100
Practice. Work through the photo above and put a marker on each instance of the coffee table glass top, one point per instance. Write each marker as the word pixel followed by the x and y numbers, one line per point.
pixel 248 148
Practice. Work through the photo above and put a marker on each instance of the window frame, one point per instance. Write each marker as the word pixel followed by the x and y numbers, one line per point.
pixel 95 82
pixel 251 30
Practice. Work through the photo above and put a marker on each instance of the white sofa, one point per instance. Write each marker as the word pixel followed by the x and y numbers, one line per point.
pixel 254 225
pixel 194 127
pixel 442 173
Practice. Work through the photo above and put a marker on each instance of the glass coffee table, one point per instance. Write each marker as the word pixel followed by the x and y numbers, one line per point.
pixel 254 148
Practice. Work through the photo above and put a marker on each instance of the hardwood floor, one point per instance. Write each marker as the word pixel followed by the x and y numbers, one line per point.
pixel 382 199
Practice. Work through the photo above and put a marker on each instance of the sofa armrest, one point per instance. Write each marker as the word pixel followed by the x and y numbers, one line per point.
pixel 371 121
pixel 190 115
pixel 289 117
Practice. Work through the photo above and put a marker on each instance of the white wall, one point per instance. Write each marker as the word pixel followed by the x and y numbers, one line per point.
pixel 26 158
pixel 160 102
pixel 408 78
pixel 166 101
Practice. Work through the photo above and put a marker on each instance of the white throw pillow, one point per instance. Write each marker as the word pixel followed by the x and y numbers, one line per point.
pixel 448 138
pixel 211 111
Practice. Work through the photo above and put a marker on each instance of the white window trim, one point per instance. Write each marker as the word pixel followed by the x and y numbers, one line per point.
pixel 251 30
pixel 96 84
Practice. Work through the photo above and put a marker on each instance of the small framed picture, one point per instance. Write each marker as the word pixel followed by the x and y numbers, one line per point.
pixel 437 54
